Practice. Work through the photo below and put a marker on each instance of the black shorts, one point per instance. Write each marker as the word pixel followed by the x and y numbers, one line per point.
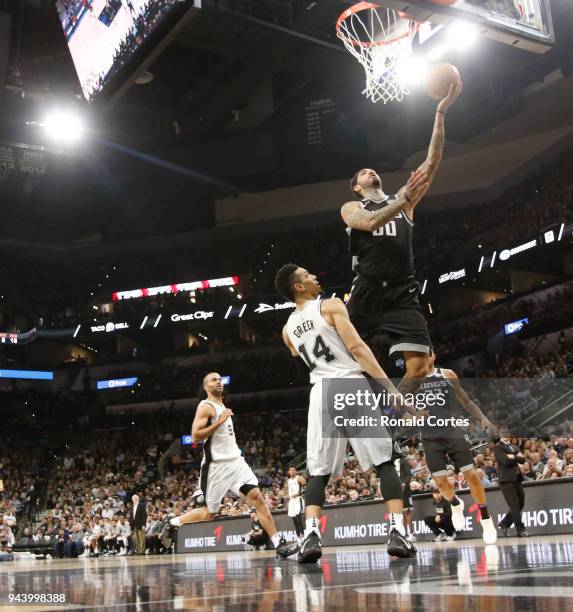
pixel 437 451
pixel 394 309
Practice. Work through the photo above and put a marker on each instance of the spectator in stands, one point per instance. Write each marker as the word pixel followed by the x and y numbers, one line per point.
pixel 551 468
pixel 61 543
pixel 526 471
pixel 152 532
pixel 5 545
pixel 26 538
pixel 537 466
pixel 76 541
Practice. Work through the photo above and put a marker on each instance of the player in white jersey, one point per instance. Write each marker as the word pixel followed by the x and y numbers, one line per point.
pixel 223 467
pixel 320 332
pixel 295 499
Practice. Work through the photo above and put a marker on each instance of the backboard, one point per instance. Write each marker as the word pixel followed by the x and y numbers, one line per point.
pixel 525 24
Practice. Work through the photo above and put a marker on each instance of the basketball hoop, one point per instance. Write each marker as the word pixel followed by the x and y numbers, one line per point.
pixel 380 39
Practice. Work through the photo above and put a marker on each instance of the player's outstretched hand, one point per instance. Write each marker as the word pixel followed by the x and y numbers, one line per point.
pixel 225 415
pixel 488 427
pixel 453 94
pixel 417 184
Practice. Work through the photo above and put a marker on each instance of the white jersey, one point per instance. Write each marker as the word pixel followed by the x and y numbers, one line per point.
pixel 296 501
pixel 221 445
pixel 319 344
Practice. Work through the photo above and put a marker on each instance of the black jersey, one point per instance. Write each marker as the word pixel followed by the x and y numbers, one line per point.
pixel 444 404
pixel 385 254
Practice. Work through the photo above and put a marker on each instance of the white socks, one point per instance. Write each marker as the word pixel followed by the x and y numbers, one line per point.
pixel 276 540
pixel 397 522
pixel 311 526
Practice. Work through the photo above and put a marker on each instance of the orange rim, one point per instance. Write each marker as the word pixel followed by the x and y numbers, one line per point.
pixel 363 6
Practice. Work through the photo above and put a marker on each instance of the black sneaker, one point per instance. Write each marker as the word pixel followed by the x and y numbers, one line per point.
pixel 504 530
pixel 399 546
pixel 284 549
pixel 311 549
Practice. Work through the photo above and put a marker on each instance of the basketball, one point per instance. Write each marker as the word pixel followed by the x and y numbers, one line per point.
pixel 439 79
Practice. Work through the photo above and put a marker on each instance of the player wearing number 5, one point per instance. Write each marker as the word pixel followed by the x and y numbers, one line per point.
pixel 223 467
pixel 320 332
pixel 384 295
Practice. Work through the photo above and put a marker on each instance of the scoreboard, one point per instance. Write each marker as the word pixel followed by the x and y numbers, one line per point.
pixel 6 338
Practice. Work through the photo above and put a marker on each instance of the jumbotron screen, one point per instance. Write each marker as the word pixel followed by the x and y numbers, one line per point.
pixel 103 35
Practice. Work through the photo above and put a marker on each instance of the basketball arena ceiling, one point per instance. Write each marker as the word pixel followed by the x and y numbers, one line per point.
pixel 226 110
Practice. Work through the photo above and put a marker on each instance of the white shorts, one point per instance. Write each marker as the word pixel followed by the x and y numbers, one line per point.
pixel 295 506
pixel 326 456
pixel 218 477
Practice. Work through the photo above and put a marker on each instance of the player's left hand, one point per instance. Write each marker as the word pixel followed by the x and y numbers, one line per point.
pixel 453 94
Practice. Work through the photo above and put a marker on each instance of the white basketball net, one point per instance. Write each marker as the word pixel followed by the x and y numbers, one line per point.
pixel 380 39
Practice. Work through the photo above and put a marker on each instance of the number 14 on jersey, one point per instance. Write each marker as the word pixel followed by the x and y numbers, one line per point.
pixel 320 351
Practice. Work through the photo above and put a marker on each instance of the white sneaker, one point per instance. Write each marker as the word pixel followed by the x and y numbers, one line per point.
pixel 440 538
pixel 489 531
pixel 450 538
pixel 411 537
pixel 458 518
pixel 175 521
pixel 492 557
pixel 122 553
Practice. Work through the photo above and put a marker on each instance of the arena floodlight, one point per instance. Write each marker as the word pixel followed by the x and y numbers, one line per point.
pixel 462 35
pixel 63 126
pixel 412 71
pixel 437 52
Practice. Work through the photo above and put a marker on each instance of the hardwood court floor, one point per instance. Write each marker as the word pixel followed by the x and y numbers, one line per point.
pixel 517 575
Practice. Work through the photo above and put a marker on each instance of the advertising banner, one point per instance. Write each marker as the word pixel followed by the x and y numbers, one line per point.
pixel 548 510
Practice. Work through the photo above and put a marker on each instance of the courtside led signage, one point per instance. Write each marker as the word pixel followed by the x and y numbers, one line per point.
pixel 199 315
pixel 228 281
pixel 117 383
pixel 270 307
pixel 515 326
pixel 507 253
pixel 27 374
pixel 451 276
pixel 108 328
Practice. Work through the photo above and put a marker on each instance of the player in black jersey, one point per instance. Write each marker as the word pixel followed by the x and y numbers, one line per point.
pixel 384 295
pixel 447 442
